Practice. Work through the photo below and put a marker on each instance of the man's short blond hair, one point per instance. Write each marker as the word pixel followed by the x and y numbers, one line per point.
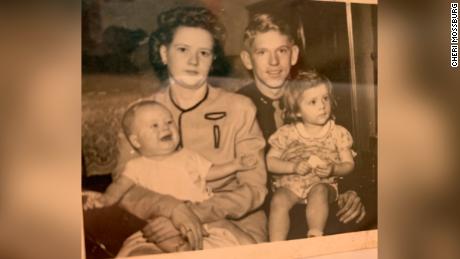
pixel 261 23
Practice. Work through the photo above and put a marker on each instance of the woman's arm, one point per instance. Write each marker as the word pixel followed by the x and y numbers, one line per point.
pixel 147 204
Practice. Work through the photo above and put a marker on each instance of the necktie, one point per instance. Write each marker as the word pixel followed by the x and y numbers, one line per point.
pixel 278 114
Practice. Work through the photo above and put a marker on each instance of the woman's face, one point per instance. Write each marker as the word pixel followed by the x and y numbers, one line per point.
pixel 189 56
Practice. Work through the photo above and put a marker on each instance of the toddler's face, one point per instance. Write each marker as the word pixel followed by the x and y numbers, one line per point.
pixel 315 105
pixel 155 131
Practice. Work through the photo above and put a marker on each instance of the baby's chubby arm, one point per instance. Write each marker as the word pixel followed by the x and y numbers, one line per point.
pixel 112 194
pixel 117 189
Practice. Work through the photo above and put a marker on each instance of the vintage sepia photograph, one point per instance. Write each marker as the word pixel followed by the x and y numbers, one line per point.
pixel 218 124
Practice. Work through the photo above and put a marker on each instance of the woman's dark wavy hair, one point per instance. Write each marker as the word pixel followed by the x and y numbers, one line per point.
pixel 189 16
pixel 303 81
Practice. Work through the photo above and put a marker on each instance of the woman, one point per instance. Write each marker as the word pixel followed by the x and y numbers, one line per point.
pixel 215 123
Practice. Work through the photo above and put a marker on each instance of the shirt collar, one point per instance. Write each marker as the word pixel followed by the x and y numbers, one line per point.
pixel 324 131
pixel 252 88
pixel 205 97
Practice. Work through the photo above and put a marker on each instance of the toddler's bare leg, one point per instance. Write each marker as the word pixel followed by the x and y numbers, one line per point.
pixel 317 209
pixel 278 223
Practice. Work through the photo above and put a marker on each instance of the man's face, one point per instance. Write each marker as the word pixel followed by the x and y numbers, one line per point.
pixel 270 57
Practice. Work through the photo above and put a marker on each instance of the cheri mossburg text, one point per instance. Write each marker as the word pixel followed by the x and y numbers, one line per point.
pixel 454 34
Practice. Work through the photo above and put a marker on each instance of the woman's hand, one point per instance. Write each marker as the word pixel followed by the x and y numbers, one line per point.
pixel 189 225
pixel 160 229
pixel 350 207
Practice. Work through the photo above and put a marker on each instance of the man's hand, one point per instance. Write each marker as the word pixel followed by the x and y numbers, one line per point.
pixel 350 207
pixel 189 225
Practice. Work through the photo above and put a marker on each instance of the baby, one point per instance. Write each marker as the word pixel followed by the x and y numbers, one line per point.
pixel 163 168
pixel 307 154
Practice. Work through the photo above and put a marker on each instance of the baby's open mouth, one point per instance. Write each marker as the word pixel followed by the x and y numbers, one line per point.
pixel 166 137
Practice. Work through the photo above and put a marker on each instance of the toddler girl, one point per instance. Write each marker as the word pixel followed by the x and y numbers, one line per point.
pixel 151 130
pixel 307 155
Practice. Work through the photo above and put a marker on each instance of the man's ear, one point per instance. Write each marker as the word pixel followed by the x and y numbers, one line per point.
pixel 294 54
pixel 134 141
pixel 163 54
pixel 246 58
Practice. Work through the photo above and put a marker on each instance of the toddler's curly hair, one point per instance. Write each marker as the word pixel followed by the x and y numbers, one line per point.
pixel 303 81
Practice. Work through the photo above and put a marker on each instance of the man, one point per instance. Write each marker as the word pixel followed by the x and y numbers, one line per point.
pixel 270 52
